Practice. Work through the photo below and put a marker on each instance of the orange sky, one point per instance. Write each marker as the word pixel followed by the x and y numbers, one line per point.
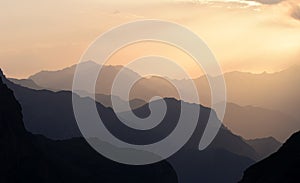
pixel 244 35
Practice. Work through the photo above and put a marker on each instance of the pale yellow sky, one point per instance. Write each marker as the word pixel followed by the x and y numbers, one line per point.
pixel 244 35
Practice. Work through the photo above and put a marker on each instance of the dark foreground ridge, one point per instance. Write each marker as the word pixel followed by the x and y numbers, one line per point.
pixel 282 166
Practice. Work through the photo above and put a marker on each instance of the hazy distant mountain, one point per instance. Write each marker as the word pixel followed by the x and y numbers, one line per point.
pixel 55 119
pixel 282 166
pixel 58 80
pixel 264 146
pixel 63 79
pixel 144 89
pixel 274 97
pixel 275 91
pixel 278 91
pixel 256 122
pixel 26 83
pixel 28 158
pixel 258 104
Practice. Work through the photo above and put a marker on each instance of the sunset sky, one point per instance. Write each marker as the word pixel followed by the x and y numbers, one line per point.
pixel 255 36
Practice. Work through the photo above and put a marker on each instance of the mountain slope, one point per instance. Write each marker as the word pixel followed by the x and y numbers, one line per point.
pixel 282 166
pixel 225 139
pixel 198 165
pixel 45 112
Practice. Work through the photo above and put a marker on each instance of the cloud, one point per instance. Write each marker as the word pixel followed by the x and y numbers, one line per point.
pixel 296 12
pixel 267 1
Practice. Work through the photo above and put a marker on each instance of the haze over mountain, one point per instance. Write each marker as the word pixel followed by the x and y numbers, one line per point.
pixel 56 111
pixel 273 110
pixel 282 166
pixel 278 91
pixel 63 79
pixel 208 165
pixel 50 113
pixel 256 122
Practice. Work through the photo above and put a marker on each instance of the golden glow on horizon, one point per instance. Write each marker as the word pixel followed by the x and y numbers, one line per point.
pixel 150 48
pixel 52 35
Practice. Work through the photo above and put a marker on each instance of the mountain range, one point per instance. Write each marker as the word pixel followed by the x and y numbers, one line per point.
pixel 242 88
pixel 250 106
pixel 56 111
pixel 50 113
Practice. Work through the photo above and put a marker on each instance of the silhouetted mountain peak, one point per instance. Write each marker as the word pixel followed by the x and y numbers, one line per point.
pixel 282 166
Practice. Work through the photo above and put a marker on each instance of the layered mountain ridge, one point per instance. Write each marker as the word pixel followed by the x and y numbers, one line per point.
pixel 41 106
pixel 248 95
